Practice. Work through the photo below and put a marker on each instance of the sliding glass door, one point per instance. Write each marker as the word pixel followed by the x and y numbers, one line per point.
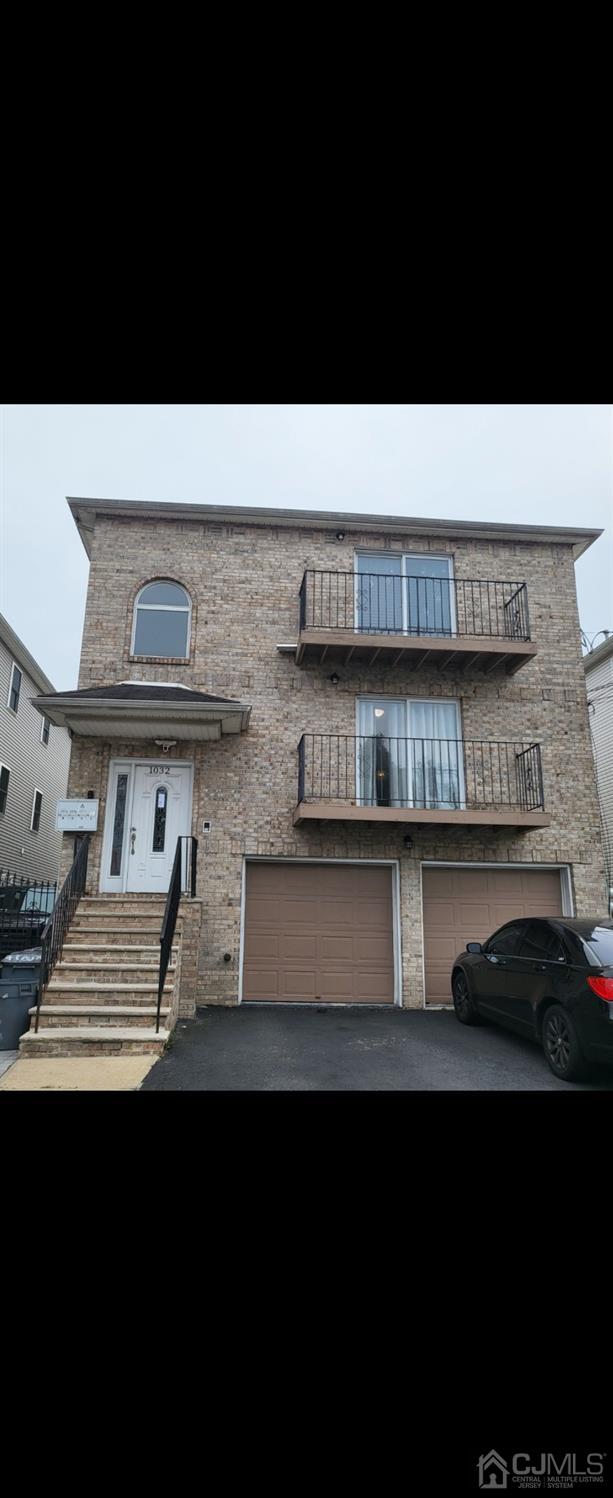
pixel 409 753
pixel 404 594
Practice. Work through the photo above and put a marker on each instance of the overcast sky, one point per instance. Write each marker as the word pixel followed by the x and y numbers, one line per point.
pixel 550 465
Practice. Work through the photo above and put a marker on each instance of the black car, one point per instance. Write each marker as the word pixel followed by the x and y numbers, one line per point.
pixel 549 979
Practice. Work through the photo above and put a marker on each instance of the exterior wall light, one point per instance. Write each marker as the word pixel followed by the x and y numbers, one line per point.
pixel 334 679
pixel 340 535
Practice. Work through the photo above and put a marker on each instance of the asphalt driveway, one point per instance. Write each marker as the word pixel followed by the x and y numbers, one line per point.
pixel 349 1050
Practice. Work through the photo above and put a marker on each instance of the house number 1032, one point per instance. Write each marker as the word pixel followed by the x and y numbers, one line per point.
pixel 159 769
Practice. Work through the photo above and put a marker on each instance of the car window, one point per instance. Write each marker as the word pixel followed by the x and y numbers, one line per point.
pixel 505 943
pixel 541 943
pixel 601 942
pixel 38 900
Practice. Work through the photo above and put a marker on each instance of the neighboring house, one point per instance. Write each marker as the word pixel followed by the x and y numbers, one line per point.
pixel 598 666
pixel 376 728
pixel 34 758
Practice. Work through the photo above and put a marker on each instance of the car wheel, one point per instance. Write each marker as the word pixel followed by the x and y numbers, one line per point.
pixel 463 1001
pixel 561 1045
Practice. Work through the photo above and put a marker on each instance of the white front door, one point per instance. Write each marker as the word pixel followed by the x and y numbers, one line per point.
pixel 148 808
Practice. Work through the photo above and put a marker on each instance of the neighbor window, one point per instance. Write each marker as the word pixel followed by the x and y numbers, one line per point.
pixel 14 689
pixel 36 806
pixel 44 732
pixel 162 616
pixel 4 785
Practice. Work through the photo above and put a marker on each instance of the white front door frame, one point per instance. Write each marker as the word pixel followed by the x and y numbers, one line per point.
pixel 391 863
pixel 109 884
pixel 566 886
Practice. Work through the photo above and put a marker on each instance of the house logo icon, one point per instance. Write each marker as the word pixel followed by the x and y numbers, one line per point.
pixel 493 1471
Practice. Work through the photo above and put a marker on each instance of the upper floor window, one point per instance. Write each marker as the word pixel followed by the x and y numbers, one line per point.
pixel 44 732
pixel 14 689
pixel 406 593
pixel 409 753
pixel 4 785
pixel 36 809
pixel 162 619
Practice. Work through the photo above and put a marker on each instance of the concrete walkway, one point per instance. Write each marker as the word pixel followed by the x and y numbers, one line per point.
pixel 7 1058
pixel 77 1074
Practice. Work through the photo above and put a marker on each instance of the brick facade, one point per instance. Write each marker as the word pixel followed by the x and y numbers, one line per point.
pixel 243 580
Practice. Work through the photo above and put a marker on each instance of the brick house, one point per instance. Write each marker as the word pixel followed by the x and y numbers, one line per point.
pixel 375 727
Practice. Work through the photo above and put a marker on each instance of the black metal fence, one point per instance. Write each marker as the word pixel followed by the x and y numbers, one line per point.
pixel 429 774
pixel 182 881
pixel 379 603
pixel 25 906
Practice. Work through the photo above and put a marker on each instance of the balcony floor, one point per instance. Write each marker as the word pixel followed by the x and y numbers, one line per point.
pixel 414 651
pixel 346 811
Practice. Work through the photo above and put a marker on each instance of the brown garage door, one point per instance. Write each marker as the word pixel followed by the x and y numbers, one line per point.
pixel 463 905
pixel 318 933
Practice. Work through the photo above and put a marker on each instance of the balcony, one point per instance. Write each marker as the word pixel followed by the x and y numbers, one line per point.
pixel 417 621
pixel 450 781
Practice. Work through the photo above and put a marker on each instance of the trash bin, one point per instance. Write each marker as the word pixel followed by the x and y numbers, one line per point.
pixel 19 979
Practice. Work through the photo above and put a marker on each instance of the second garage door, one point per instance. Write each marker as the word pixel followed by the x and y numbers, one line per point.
pixel 463 905
pixel 318 933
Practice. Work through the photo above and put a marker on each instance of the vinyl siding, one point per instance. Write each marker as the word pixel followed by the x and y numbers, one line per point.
pixel 32 765
pixel 599 683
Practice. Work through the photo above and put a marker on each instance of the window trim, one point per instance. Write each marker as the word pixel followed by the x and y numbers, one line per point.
pixel 42 729
pixel 435 556
pixel 37 792
pixel 14 710
pixel 8 771
pixel 168 608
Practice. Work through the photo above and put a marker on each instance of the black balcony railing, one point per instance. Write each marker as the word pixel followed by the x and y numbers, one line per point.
pixel 427 774
pixel 385 604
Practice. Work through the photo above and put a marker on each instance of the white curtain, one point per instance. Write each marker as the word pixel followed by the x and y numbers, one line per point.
pixel 383 753
pixel 436 778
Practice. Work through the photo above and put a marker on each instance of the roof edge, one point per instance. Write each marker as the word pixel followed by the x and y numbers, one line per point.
pixel 600 654
pixel 84 511
pixel 23 657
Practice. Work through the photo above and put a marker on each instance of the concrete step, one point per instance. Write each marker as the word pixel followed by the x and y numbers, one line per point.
pixel 152 910
pixel 113 995
pixel 150 953
pixel 63 1016
pixel 129 934
pixel 104 989
pixel 85 1040
pixel 109 972
pixel 147 925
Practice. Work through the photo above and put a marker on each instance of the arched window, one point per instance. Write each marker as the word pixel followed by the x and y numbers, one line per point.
pixel 162 617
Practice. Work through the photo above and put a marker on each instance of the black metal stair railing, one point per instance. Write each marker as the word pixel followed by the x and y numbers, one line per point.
pixel 429 774
pixel 54 933
pixel 182 881
pixel 380 603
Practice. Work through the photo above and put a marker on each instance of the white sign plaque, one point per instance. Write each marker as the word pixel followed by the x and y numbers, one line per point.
pixel 76 816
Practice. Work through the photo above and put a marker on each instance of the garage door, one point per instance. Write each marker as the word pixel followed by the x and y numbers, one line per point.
pixel 318 933
pixel 463 905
